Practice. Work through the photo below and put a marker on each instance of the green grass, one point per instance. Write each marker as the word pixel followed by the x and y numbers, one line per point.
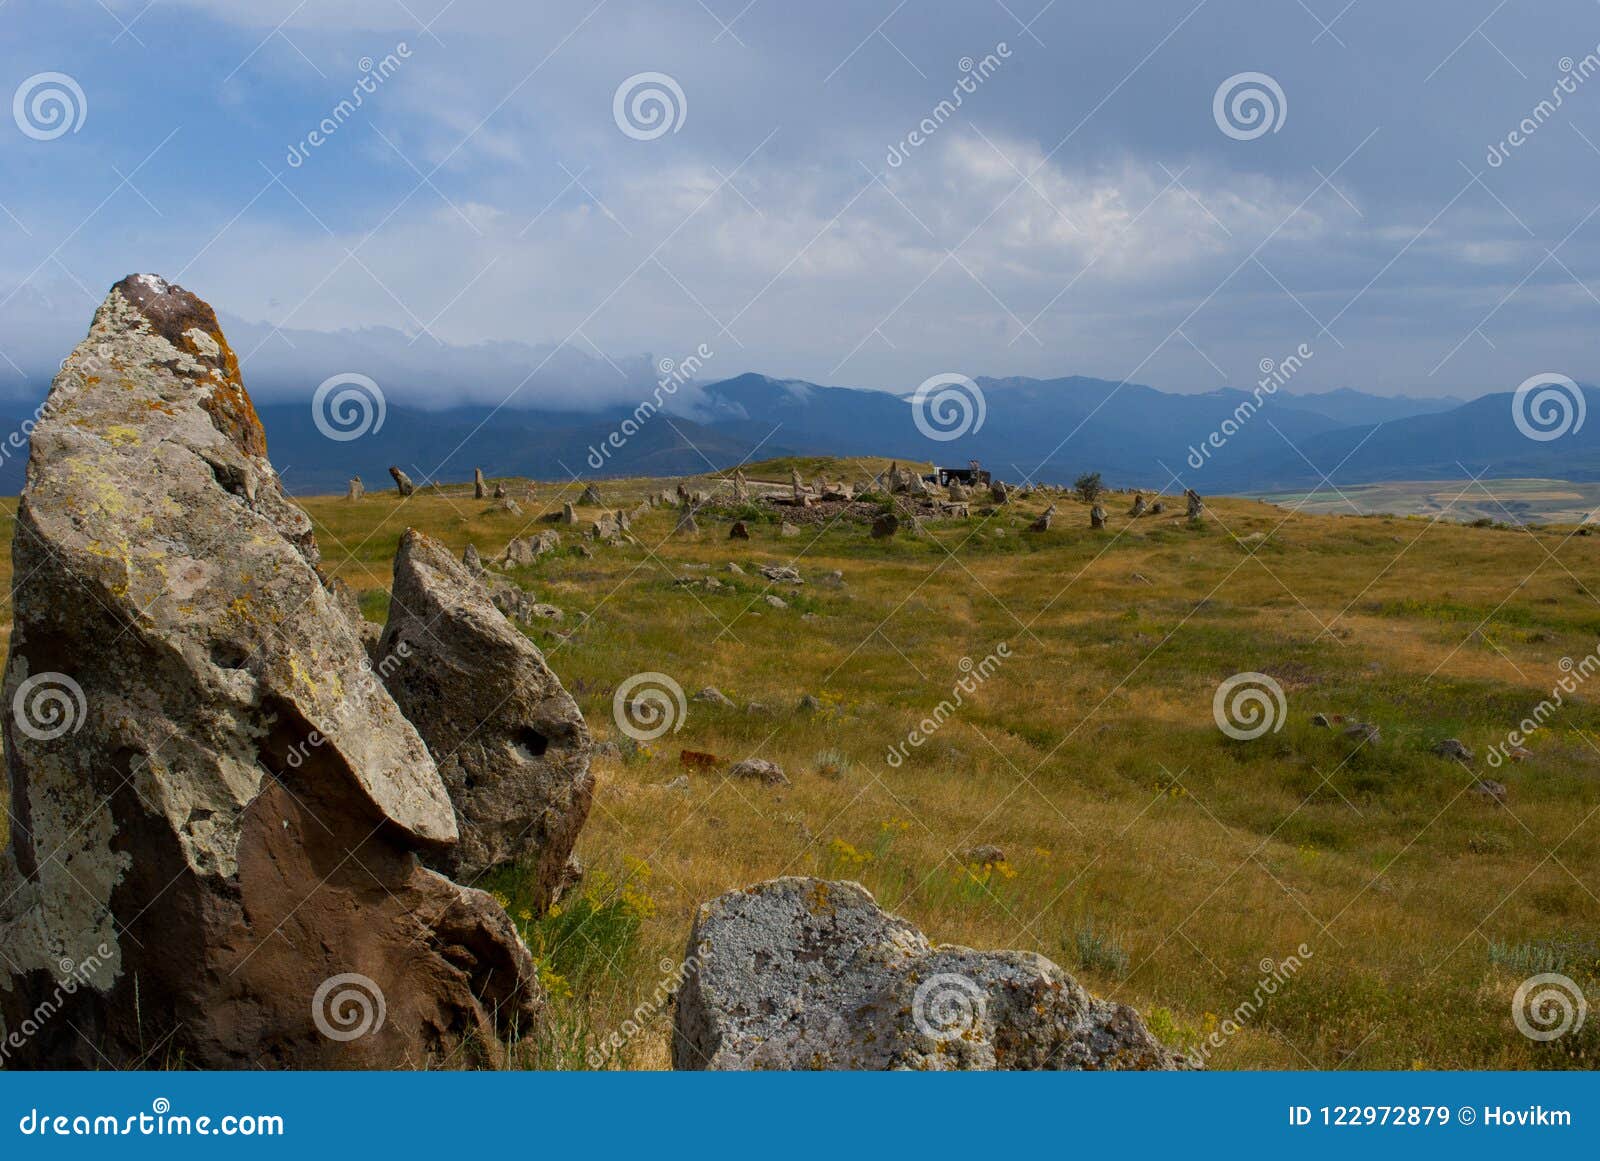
pixel 1090 756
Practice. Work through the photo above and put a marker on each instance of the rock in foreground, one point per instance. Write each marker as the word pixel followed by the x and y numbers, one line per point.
pixel 509 741
pixel 801 973
pixel 217 827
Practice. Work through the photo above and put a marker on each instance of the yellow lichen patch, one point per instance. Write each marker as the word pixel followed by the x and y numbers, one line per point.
pixel 121 435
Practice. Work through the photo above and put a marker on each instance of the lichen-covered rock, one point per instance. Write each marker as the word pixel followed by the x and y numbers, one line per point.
pixel 801 973
pixel 225 814
pixel 509 741
pixel 524 550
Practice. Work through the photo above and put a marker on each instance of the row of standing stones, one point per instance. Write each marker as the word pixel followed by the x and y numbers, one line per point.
pixel 257 796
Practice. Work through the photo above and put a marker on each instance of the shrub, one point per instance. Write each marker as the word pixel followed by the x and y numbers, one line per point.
pixel 1099 951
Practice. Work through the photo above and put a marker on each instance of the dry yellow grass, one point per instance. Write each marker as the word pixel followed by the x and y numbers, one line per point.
pixel 1157 859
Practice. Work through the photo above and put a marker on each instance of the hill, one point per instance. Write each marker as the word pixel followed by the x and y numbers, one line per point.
pixel 1164 862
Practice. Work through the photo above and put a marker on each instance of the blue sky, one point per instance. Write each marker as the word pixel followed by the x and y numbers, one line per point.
pixel 1083 212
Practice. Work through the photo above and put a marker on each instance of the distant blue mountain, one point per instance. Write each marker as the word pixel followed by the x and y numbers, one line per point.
pixel 1045 429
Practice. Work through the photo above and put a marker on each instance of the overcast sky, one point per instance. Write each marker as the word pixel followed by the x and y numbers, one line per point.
pixel 1084 211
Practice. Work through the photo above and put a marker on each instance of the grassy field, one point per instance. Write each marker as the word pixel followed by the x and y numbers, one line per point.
pixel 1464 501
pixel 1165 863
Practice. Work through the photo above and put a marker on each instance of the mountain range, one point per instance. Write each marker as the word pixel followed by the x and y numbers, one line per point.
pixel 1049 430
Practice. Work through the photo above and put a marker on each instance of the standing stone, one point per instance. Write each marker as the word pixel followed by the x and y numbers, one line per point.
pixel 1138 505
pixel 355 490
pixel 806 974
pixel 1197 506
pixel 509 741
pixel 402 482
pixel 1097 517
pixel 998 492
pixel 591 497
pixel 958 492
pixel 477 484
pixel 686 523
pixel 738 531
pixel 228 830
pixel 795 486
pixel 1042 524
pixel 472 560
pixel 500 492
pixel 885 525
pixel 569 515
pixel 1158 507
pixel 507 504
pixel 741 489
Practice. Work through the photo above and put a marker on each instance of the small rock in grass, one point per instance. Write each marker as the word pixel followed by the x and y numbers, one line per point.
pixel 768 773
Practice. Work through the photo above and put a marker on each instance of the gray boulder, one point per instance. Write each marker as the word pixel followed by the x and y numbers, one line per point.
pixel 801 973
pixel 759 770
pixel 524 550
pixel 509 741
pixel 402 482
pixel 223 816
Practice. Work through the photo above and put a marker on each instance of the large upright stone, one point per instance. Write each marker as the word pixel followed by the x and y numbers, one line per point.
pixel 402 482
pixel 805 974
pixel 510 743
pixel 214 837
